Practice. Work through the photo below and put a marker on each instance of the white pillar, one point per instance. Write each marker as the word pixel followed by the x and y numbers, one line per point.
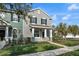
pixel 45 32
pixel 51 35
pixel 6 34
pixel 32 32
pixel 33 39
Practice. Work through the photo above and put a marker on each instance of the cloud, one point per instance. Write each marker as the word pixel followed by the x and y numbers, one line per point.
pixel 73 7
pixel 54 17
pixel 66 17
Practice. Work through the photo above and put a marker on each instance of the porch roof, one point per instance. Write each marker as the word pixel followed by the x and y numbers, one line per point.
pixel 3 22
pixel 41 26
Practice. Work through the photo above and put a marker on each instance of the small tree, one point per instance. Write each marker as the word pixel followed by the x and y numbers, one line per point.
pixel 62 29
pixel 74 30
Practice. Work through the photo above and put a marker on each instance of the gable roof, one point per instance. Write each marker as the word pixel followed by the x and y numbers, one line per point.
pixel 40 10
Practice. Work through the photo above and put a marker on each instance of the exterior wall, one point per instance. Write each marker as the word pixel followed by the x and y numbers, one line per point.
pixel 41 15
pixel 26 30
pixel 17 25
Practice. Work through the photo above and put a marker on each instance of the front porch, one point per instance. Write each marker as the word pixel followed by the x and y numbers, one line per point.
pixel 41 34
pixel 5 31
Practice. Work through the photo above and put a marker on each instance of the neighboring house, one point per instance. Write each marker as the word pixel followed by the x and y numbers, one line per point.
pixel 38 26
pixel 10 26
pixel 69 35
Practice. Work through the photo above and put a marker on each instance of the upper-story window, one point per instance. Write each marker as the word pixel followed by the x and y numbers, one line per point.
pixel 2 15
pixel 44 21
pixel 33 20
pixel 15 17
pixel 50 19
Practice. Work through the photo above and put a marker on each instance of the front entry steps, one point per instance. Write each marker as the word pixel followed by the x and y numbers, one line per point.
pixel 57 44
pixel 2 44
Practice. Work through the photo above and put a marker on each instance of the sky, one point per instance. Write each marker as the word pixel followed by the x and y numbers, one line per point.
pixel 61 12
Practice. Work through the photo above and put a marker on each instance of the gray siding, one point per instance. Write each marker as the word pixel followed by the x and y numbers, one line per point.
pixel 41 15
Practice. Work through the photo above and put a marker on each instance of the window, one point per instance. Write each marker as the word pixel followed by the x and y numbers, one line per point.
pixel 10 31
pixel 33 20
pixel 50 19
pixel 15 17
pixel 14 33
pixel 44 21
pixel 36 33
pixel 2 15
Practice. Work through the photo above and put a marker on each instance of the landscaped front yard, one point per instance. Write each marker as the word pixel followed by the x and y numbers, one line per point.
pixel 73 53
pixel 28 48
pixel 67 42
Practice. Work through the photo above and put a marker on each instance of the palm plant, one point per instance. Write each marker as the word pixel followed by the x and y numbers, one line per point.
pixel 2 6
pixel 74 30
pixel 22 9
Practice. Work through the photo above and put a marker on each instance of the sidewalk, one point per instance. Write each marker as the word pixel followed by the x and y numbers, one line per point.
pixel 54 52
pixel 57 44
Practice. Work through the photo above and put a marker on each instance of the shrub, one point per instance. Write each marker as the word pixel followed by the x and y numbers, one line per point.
pixel 27 40
pixel 57 36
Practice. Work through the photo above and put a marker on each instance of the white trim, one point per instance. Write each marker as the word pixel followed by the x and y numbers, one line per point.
pixel 17 31
pixel 15 21
pixel 6 34
pixel 33 23
pixel 51 33
pixel 34 16
pixel 45 33
pixel 33 32
pixel 15 28
pixel 44 18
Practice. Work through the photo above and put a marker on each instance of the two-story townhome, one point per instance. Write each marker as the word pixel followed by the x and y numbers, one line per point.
pixel 38 26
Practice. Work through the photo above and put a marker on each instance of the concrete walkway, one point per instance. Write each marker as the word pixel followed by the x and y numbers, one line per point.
pixel 57 44
pixel 54 52
pixel 2 44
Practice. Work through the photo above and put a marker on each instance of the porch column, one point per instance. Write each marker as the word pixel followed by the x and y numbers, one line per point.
pixel 33 39
pixel 51 35
pixel 6 34
pixel 32 32
pixel 45 33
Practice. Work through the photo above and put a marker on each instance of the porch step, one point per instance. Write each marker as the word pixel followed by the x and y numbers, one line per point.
pixel 2 44
pixel 45 39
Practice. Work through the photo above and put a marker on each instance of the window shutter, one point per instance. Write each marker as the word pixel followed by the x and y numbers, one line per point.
pixel 30 19
pixel 41 21
pixel 11 16
pixel 18 18
pixel 46 21
pixel 36 20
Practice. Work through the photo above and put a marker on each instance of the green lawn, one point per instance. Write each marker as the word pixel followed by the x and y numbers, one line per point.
pixel 67 42
pixel 73 53
pixel 28 48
